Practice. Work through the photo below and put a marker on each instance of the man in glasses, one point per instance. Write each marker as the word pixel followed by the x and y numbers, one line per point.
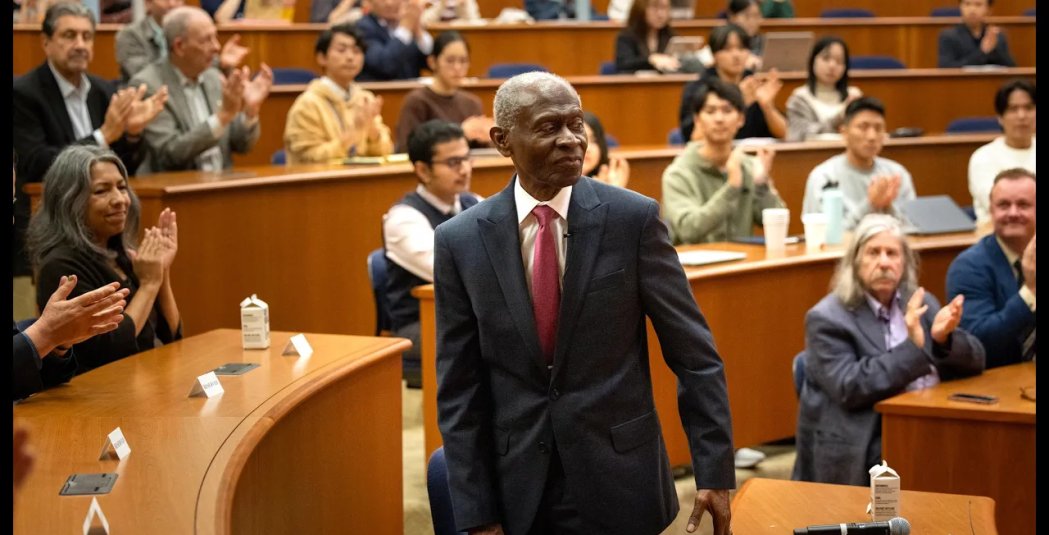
pixel 440 153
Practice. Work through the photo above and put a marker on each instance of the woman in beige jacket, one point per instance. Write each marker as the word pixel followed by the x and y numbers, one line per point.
pixel 335 118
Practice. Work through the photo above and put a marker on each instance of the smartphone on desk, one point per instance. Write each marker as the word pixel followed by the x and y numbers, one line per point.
pixel 973 398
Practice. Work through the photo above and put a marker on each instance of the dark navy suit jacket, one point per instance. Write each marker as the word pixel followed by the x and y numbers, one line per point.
pixel 387 57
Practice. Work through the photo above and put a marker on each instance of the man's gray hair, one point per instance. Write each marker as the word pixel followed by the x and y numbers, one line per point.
pixel 176 23
pixel 65 9
pixel 847 283
pixel 513 96
pixel 62 218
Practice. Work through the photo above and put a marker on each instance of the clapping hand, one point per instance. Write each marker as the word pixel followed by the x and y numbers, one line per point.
pixel 478 128
pixel 882 191
pixel 768 88
pixel 916 308
pixel 1027 265
pixel 664 62
pixel 168 228
pixel 735 167
pixel 65 322
pixel 232 94
pixel 616 172
pixel 148 260
pixel 256 91
pixel 144 110
pixel 367 111
pixel 990 39
pixel 232 54
pixel 766 155
pixel 947 320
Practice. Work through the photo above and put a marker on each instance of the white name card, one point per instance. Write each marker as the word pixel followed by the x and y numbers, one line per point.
pixel 117 443
pixel 90 527
pixel 207 385
pixel 297 346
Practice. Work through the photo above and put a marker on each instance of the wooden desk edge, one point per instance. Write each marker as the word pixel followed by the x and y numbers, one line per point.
pixel 215 498
pixel 890 408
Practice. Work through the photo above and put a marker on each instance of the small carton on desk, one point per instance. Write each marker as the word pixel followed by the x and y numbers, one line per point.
pixel 255 323
pixel 885 493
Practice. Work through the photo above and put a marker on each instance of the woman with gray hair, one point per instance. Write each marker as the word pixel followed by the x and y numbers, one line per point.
pixel 87 226
pixel 875 336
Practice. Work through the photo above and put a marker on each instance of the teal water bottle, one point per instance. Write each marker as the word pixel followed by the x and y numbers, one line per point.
pixel 582 10
pixel 834 207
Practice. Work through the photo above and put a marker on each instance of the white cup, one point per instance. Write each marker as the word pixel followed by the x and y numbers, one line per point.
pixel 815 231
pixel 775 222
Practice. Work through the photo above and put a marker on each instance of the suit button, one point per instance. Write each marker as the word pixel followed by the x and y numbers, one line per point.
pixel 555 394
pixel 543 448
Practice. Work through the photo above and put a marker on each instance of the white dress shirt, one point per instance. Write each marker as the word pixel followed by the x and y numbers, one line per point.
pixel 404 35
pixel 211 159
pixel 528 226
pixel 409 236
pixel 76 106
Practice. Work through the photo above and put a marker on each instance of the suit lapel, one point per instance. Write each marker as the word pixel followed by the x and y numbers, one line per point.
pixel 586 217
pixel 1007 282
pixel 502 242
pixel 97 104
pixel 870 326
pixel 176 95
pixel 53 95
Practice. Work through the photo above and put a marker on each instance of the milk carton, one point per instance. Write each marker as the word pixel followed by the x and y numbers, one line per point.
pixel 255 323
pixel 885 493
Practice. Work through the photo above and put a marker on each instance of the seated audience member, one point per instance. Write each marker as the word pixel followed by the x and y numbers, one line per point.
pixel 115 11
pixel 868 182
pixel 445 11
pixel 777 9
pixel 974 41
pixel 597 163
pixel 997 274
pixel 42 355
pixel 224 11
pixel 440 154
pixel 1015 104
pixel 87 226
pixel 730 44
pixel 816 109
pixel 335 11
pixel 553 9
pixel 143 42
pixel 875 336
pixel 642 44
pixel 747 15
pixel 712 192
pixel 444 99
pixel 206 120
pixel 336 118
pixel 397 41
pixel 30 11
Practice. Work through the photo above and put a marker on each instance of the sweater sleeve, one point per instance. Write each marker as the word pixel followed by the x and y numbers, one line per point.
pixel 305 138
pixel 413 113
pixel 802 122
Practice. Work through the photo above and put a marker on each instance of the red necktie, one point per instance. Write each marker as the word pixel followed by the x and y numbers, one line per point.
pixel 546 282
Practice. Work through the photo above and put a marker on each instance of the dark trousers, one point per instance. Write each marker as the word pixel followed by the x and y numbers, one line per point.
pixel 557 513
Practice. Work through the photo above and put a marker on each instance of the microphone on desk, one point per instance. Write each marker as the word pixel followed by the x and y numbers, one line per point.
pixel 896 526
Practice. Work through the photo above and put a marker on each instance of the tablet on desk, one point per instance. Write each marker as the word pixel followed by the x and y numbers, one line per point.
pixel 704 257
pixel 760 240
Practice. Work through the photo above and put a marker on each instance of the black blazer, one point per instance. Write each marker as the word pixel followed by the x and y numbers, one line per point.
pixel 93 271
pixel 31 374
pixel 500 409
pixel 387 58
pixel 632 53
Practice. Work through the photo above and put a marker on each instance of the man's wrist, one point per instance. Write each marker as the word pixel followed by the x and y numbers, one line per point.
pixel 225 117
pixel 111 133
pixel 41 337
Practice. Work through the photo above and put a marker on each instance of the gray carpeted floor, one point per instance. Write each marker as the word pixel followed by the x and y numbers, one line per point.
pixel 417 505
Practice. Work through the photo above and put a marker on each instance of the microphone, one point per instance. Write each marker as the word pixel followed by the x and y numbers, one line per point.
pixel 896 526
pixel 567 235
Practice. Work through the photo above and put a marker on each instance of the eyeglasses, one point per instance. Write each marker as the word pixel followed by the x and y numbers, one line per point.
pixel 454 163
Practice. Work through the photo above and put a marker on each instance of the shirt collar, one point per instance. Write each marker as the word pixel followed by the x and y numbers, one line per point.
pixel 335 88
pixel 877 307
pixel 526 203
pixel 184 81
pixel 1010 255
pixel 67 88
pixel 154 26
pixel 440 205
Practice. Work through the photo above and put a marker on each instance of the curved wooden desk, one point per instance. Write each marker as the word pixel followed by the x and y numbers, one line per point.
pixel 756 311
pixel 310 446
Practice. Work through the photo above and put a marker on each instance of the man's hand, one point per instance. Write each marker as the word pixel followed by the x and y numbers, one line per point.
pixel 478 128
pixel 916 308
pixel 767 89
pixel 232 54
pixel 488 530
pixel 882 191
pixel 990 39
pixel 766 155
pixel 1027 265
pixel 735 168
pixel 616 172
pixel 716 501
pixel 232 95
pixel 144 110
pixel 749 88
pixel 411 17
pixel 366 113
pixel 66 322
pixel 947 320
pixel 257 90
pixel 116 115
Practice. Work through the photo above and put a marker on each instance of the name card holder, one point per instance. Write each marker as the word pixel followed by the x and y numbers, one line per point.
pixel 115 445
pixel 207 385
pixel 297 347
pixel 95 523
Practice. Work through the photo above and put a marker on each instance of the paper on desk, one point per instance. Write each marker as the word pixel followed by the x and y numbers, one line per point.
pixel 704 257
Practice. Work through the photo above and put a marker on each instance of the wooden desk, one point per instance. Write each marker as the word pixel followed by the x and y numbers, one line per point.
pixel 938 445
pixel 298 236
pixel 277 449
pixel 756 311
pixel 768 506
pixel 914 41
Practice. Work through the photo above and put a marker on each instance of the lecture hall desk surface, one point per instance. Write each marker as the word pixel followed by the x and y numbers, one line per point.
pixel 938 445
pixel 298 445
pixel 775 507
pixel 299 236
pixel 756 311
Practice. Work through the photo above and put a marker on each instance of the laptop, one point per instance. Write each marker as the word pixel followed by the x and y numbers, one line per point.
pixel 938 214
pixel 680 45
pixel 787 51
pixel 703 257
pixel 682 9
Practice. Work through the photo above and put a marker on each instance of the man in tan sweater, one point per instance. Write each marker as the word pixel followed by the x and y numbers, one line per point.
pixel 335 118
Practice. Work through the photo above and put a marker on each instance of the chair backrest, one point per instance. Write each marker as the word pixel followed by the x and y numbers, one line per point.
pixel 610 141
pixel 508 70
pixel 967 125
pixel 1029 12
pixel 377 276
pixel 946 12
pixel 875 63
pixel 675 137
pixel 608 68
pixel 723 15
pixel 799 373
pixel 847 13
pixel 278 158
pixel 291 76
pixel 440 495
pixel 25 324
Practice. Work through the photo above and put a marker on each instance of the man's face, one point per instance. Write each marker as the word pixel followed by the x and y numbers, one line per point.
pixel 71 45
pixel 549 141
pixel 719 120
pixel 389 10
pixel 159 8
pixel 344 59
pixel 865 134
pixel 974 12
pixel 1013 206
pixel 1019 119
pixel 449 172
pixel 881 264
pixel 201 43
pixel 733 58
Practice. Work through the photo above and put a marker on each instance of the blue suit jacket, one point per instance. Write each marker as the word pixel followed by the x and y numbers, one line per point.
pixel 31 374
pixel 994 311
pixel 551 9
pixel 387 58
pixel 500 408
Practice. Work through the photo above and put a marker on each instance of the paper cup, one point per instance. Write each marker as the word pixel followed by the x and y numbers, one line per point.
pixel 815 231
pixel 775 222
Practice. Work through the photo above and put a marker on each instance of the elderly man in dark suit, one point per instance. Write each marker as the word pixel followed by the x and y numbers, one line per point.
pixel 876 335
pixel 544 389
pixel 398 42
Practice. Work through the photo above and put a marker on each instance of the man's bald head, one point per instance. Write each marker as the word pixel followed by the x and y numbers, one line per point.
pixel 521 91
pixel 192 39
pixel 178 21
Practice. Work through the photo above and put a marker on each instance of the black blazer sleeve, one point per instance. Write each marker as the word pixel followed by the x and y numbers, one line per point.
pixel 30 114
pixel 629 56
pixel 31 374
pixel 130 151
